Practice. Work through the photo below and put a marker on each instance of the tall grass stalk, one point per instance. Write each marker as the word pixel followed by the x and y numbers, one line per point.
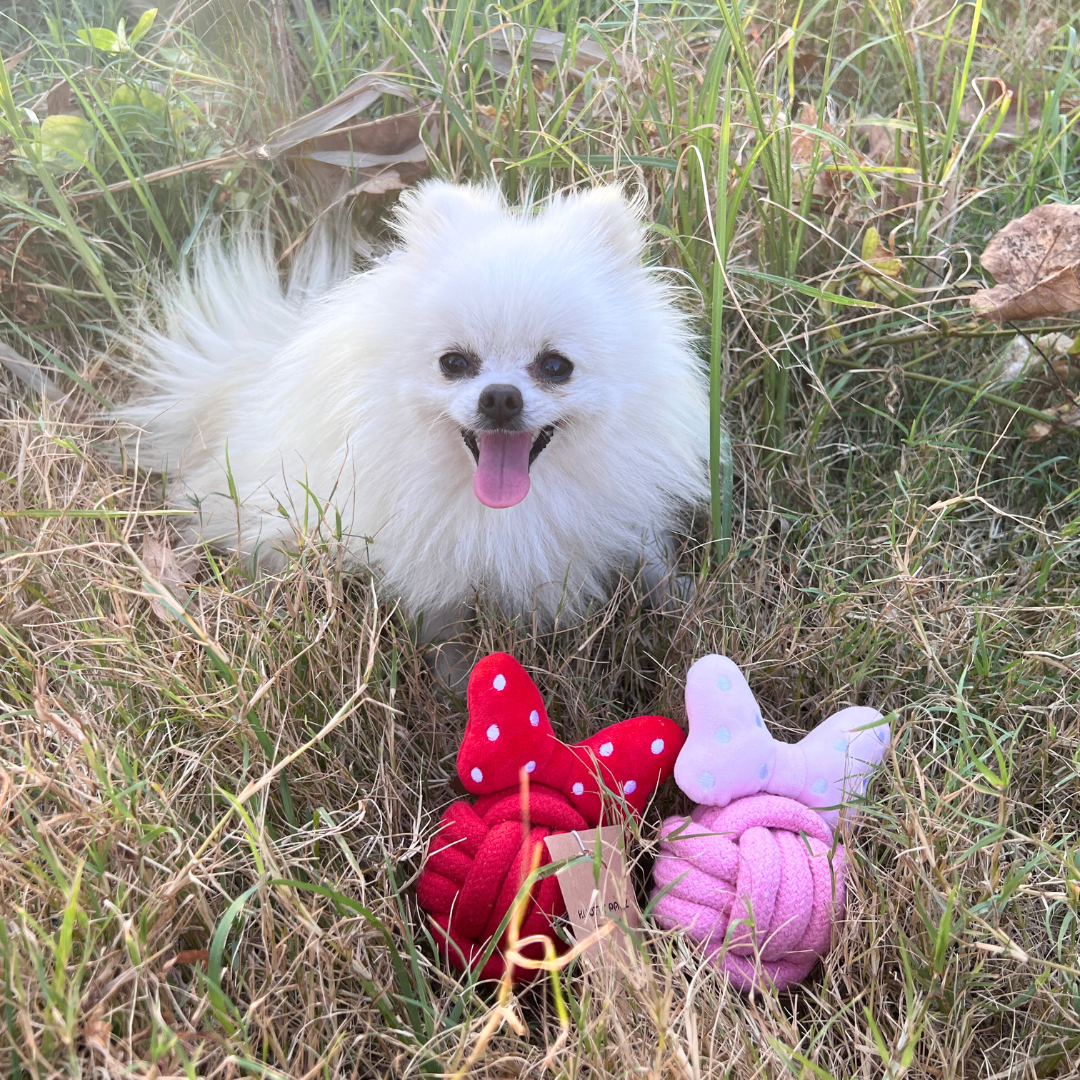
pixel 720 457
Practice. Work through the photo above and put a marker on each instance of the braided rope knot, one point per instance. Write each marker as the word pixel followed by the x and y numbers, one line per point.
pixel 757 882
pixel 477 863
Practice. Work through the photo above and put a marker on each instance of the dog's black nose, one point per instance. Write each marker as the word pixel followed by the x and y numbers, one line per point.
pixel 500 403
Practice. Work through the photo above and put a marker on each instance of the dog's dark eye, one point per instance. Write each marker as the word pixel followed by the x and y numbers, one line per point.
pixel 455 365
pixel 552 367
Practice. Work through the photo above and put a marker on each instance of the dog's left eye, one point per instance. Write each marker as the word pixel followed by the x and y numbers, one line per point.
pixel 553 367
pixel 455 365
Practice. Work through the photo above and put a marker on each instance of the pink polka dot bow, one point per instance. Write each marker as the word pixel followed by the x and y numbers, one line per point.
pixel 729 753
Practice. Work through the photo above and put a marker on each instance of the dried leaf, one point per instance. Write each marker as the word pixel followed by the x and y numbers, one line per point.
pixel 1034 261
pixel 160 561
pixel 804 62
pixel 97 1031
pixel 375 156
pixel 880 136
pixel 1016 121
pixel 11 62
pixel 357 159
pixel 1066 415
pixel 20 296
pixel 803 143
pixel 333 156
pixel 58 100
pixel 360 95
pixel 488 114
pixel 382 183
pixel 546 50
pixel 805 147
pixel 187 957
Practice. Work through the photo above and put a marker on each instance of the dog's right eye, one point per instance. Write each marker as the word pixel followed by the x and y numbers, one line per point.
pixel 455 365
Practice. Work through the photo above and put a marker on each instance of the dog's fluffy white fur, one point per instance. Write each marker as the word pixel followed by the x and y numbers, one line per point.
pixel 330 393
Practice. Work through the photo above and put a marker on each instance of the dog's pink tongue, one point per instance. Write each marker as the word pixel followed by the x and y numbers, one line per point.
pixel 502 473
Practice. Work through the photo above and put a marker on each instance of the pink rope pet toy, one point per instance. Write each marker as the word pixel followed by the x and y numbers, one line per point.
pixel 752 873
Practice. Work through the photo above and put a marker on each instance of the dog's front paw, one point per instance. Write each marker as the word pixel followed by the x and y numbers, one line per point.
pixel 451 663
pixel 682 588
pixel 669 591
pixel 665 588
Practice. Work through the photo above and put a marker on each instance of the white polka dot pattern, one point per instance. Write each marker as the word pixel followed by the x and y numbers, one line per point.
pixel 500 682
pixel 477 776
pixel 493 732
pixel 607 750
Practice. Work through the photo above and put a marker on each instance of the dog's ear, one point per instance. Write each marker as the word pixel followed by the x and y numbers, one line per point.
pixel 428 214
pixel 604 216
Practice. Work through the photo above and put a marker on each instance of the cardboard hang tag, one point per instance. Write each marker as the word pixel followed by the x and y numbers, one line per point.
pixel 593 899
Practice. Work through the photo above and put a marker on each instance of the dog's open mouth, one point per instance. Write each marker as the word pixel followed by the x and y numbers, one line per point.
pixel 502 463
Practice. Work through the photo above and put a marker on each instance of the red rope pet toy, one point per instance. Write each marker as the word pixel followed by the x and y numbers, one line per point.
pixel 481 854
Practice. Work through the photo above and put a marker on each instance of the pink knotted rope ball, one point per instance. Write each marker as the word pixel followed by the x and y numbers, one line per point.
pixel 764 868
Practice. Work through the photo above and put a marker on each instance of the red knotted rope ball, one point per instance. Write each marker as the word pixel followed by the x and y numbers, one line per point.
pixel 481 854
pixel 477 863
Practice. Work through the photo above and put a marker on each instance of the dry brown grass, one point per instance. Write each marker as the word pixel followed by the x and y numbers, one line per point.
pixel 125 746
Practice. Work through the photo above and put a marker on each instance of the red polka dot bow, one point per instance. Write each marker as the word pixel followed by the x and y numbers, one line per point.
pixel 481 853
pixel 508 730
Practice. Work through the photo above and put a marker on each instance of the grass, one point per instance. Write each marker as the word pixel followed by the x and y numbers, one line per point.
pixel 211 817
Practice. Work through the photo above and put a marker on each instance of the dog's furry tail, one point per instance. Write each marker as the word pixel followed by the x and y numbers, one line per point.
pixel 209 331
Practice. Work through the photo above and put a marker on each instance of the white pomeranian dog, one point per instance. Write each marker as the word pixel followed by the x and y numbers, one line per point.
pixel 506 406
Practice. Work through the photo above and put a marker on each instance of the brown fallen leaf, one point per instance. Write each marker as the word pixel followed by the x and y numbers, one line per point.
pixel 1034 261
pixel 359 95
pixel 1067 415
pixel 335 154
pixel 97 1031
pixel 19 253
pixel 390 180
pixel 805 147
pixel 11 62
pixel 390 140
pixel 162 564
pixel 1017 120
pixel 805 61
pixel 880 140
pixel 373 156
pixel 547 48
pixel 187 957
pixel 58 100
pixel 487 116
